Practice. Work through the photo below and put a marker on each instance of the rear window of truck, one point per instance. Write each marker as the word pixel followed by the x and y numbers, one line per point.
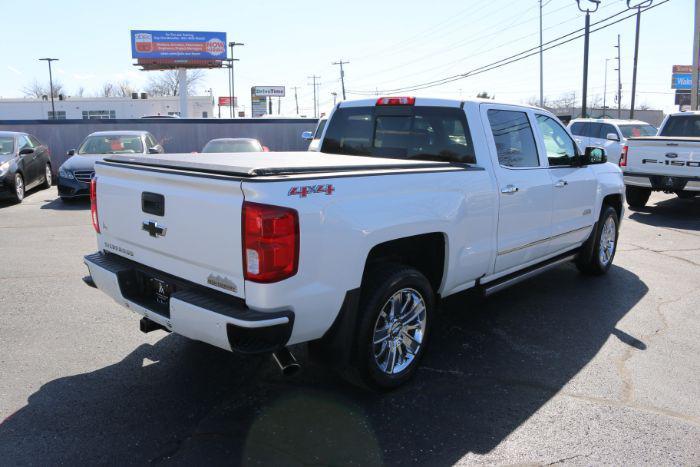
pixel 682 126
pixel 421 133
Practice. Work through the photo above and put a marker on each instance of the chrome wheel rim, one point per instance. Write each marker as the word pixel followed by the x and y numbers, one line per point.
pixel 48 175
pixel 607 241
pixel 19 186
pixel 399 331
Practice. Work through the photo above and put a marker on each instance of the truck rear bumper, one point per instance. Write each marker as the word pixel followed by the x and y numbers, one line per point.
pixel 192 311
pixel 662 182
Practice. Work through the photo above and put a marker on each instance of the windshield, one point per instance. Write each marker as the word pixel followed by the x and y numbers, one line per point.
pixel 232 146
pixel 682 125
pixel 111 144
pixel 6 145
pixel 635 130
pixel 423 133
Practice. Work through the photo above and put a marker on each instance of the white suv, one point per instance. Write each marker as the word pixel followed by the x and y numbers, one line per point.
pixel 608 133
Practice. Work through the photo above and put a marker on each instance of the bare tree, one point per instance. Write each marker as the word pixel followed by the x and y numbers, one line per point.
pixel 39 90
pixel 107 90
pixel 80 92
pixel 485 95
pixel 644 106
pixel 167 83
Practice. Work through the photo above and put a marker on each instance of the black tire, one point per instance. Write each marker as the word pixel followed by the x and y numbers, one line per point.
pixel 685 194
pixel 18 193
pixel 594 264
pixel 637 197
pixel 48 177
pixel 381 284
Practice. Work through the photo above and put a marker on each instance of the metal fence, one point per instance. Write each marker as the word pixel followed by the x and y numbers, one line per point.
pixel 176 135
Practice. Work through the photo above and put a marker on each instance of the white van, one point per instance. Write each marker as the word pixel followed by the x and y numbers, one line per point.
pixel 608 133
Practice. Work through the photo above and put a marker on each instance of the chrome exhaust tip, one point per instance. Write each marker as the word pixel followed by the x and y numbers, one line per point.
pixel 286 362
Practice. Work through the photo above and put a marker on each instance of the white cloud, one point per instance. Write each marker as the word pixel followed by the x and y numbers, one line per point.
pixel 14 70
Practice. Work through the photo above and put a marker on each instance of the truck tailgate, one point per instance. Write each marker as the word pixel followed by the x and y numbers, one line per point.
pixel 196 237
pixel 663 156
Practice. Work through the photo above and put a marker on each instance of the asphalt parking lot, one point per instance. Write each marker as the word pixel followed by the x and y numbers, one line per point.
pixel 561 369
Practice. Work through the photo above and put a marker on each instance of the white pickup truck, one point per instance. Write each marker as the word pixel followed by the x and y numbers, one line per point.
pixel 350 249
pixel 668 162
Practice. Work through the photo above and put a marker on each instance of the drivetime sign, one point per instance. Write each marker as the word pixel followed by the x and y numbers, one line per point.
pixel 179 45
pixel 268 91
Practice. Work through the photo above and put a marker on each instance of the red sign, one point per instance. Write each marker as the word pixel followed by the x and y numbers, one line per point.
pixel 682 68
pixel 225 101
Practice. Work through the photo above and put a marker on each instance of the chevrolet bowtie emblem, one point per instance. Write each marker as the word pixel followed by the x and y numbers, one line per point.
pixel 153 229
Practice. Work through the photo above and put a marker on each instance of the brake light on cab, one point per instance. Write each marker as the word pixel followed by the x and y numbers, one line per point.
pixel 270 242
pixel 93 205
pixel 623 156
pixel 396 100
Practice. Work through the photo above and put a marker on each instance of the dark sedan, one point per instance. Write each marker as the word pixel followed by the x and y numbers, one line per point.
pixel 75 174
pixel 24 164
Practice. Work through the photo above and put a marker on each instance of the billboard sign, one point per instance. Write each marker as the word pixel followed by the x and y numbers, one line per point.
pixel 267 91
pixel 225 101
pixel 179 45
pixel 681 81
pixel 258 106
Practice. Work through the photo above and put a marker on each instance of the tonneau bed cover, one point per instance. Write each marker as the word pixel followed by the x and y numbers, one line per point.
pixel 271 163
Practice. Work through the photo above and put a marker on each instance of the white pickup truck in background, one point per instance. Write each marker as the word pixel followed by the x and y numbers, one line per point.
pixel 669 162
pixel 350 249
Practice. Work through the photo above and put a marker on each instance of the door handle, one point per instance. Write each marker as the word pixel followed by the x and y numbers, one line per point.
pixel 509 189
pixel 561 183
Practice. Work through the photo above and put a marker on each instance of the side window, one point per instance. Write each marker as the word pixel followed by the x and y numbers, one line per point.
pixel 23 142
pixel 579 129
pixel 560 148
pixel 35 142
pixel 150 141
pixel 605 129
pixel 594 130
pixel 515 143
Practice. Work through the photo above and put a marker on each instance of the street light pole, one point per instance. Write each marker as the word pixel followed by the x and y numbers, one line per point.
pixel 588 12
pixel 53 108
pixel 233 88
pixel 639 6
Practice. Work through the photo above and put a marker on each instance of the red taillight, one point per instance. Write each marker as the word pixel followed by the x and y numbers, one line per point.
pixel 623 156
pixel 270 242
pixel 93 205
pixel 396 101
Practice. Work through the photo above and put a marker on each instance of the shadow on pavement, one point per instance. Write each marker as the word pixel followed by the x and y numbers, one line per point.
pixel 58 204
pixel 675 213
pixel 492 364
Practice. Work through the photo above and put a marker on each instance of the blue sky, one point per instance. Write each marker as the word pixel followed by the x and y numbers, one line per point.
pixel 389 44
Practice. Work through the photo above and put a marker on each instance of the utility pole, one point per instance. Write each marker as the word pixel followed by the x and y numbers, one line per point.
pixel 315 84
pixel 696 58
pixel 541 62
pixel 335 97
pixel 619 79
pixel 605 85
pixel 588 12
pixel 296 99
pixel 342 74
pixel 639 6
pixel 233 88
pixel 53 109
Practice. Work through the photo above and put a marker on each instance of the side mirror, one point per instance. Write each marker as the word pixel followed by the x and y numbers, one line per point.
pixel 307 136
pixel 71 152
pixel 612 137
pixel 594 156
pixel 24 151
pixel 154 150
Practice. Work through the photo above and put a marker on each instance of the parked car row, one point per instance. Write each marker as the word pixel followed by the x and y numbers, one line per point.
pixel 25 163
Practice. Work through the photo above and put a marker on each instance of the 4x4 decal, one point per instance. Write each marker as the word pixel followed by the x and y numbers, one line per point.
pixel 304 191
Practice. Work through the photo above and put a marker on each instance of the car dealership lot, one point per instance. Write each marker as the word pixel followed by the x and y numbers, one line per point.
pixel 562 368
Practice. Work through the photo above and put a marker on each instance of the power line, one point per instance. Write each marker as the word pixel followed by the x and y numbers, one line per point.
pixel 505 61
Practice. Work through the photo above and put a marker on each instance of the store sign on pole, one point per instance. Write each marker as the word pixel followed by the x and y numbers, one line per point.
pixel 225 101
pixel 178 45
pixel 267 91
pixel 681 81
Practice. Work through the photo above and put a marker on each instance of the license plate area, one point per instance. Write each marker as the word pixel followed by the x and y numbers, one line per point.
pixel 144 288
